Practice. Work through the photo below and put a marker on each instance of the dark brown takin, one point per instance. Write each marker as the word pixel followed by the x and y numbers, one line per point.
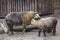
pixel 19 18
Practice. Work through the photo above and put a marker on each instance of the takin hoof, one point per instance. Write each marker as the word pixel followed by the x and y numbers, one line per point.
pixel 54 34
pixel 44 35
pixel 6 32
pixel 49 31
pixel 38 35
pixel 10 33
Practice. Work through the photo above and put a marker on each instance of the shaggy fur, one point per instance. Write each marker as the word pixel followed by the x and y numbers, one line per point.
pixel 46 24
pixel 19 18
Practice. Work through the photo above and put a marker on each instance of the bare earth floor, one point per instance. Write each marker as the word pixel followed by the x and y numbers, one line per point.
pixel 33 35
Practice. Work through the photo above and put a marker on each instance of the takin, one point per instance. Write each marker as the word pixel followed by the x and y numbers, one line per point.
pixel 47 24
pixel 19 18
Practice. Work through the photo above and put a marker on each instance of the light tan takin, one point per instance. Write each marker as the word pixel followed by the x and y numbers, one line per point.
pixel 19 18
pixel 47 24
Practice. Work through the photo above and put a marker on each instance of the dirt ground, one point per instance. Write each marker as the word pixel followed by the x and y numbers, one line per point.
pixel 33 35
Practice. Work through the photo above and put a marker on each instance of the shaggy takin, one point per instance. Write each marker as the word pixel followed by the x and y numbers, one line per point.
pixel 19 18
pixel 47 24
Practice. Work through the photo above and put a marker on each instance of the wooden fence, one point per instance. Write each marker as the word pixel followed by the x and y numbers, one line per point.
pixel 7 6
pixel 41 6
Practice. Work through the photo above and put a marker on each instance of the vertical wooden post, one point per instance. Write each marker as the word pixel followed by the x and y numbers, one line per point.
pixel 35 5
pixel 30 5
pixel 8 7
pixel 1 6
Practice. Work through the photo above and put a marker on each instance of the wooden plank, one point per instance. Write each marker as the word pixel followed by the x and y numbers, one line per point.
pixel 18 5
pixel 0 6
pixel 30 4
pixel 35 6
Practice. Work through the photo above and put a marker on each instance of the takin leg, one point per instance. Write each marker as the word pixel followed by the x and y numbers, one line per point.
pixel 54 30
pixel 54 27
pixel 49 30
pixel 44 32
pixel 10 28
pixel 24 28
pixel 39 32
